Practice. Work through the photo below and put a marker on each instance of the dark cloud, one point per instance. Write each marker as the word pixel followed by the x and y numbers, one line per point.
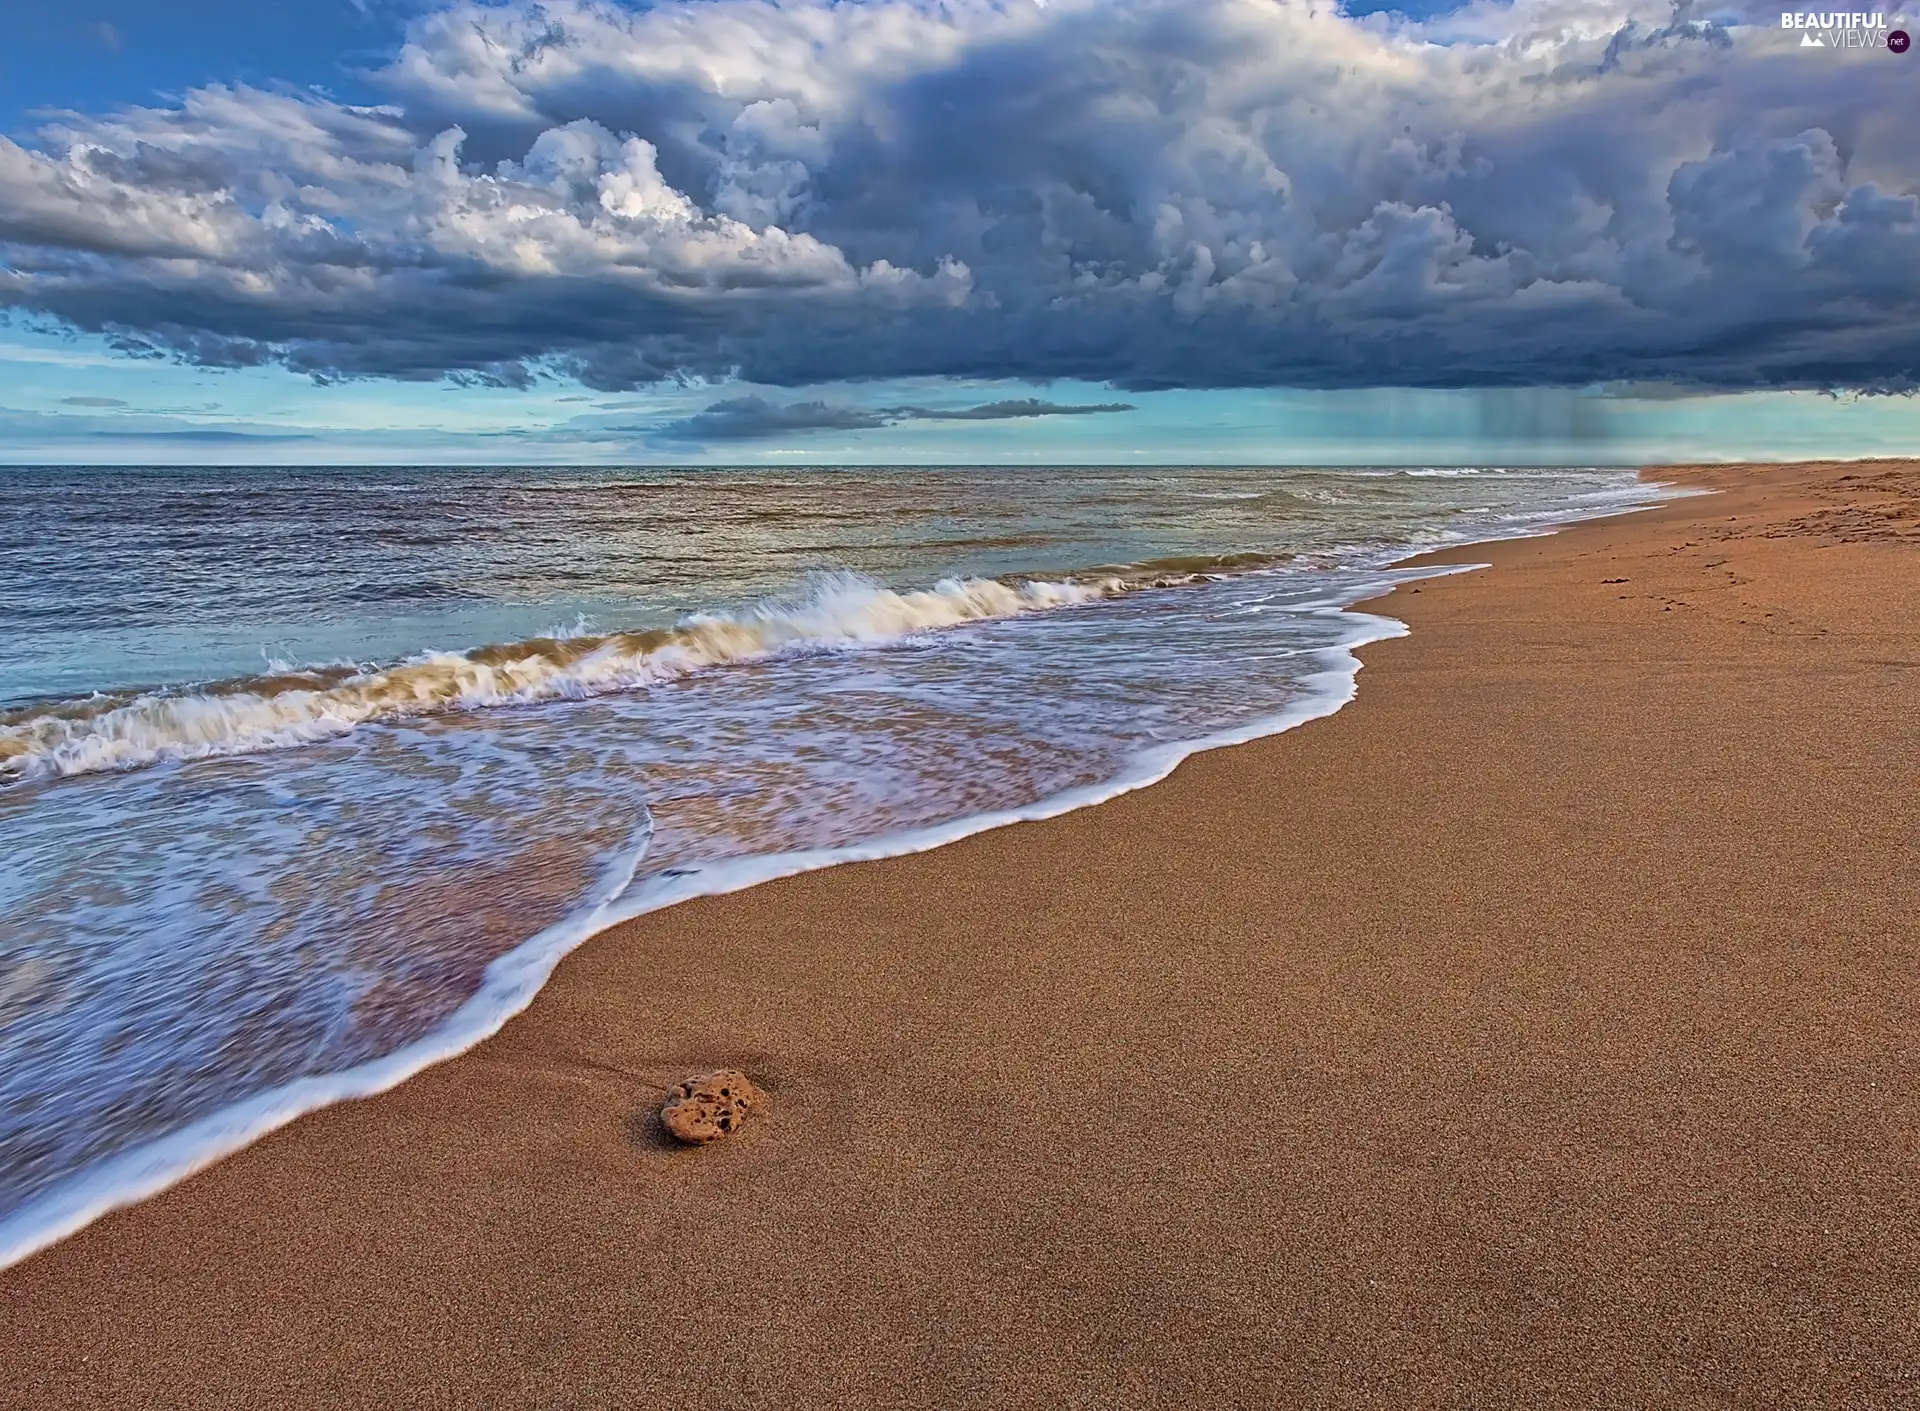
pixel 92 402
pixel 753 418
pixel 1150 193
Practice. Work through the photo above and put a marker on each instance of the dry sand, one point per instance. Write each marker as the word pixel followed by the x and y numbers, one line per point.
pixel 1539 1031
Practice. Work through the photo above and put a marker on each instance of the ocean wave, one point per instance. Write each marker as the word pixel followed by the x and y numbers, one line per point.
pixel 294 705
pixel 838 611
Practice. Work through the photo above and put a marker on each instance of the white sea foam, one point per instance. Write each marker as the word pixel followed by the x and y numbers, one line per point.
pixel 840 611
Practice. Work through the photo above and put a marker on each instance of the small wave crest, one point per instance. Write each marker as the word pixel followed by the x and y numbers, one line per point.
pixel 836 612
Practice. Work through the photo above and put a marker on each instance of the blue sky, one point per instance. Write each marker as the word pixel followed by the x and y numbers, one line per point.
pixel 873 232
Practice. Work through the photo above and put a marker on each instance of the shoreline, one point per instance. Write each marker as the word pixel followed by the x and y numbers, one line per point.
pixel 514 980
pixel 147 1171
pixel 359 1201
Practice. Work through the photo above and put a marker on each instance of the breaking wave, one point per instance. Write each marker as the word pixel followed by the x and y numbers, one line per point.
pixel 838 611
pixel 299 705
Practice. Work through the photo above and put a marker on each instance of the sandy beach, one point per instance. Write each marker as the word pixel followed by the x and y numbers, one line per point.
pixel 1538 1031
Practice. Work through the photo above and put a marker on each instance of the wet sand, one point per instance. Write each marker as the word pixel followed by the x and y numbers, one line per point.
pixel 1541 1030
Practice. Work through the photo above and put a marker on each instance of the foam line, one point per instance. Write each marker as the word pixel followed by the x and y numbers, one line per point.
pixel 840 611
pixel 296 706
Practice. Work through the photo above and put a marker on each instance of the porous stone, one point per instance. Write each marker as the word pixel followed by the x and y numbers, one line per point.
pixel 709 1107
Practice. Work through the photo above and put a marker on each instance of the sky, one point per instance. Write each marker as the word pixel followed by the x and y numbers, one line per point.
pixel 871 231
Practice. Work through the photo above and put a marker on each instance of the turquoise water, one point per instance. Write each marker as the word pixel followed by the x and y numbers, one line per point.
pixel 307 777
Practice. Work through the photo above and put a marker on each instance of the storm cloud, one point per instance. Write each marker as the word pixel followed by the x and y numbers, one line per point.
pixel 1149 193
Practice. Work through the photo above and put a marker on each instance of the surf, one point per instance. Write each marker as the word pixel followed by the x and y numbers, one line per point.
pixel 837 611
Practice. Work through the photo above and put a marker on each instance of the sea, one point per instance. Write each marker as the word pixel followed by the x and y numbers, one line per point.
pixel 309 777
